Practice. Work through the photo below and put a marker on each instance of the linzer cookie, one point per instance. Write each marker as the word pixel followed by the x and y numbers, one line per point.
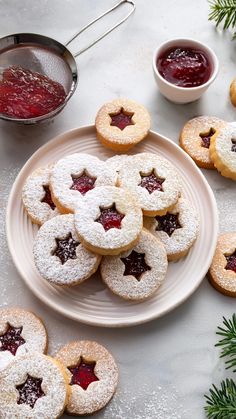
pixel 93 376
pixel 75 175
pixel 35 386
pixel 154 182
pixel 232 92
pixel 21 332
pixel 108 220
pixel 121 124
pixel 36 196
pixel 223 151
pixel 222 272
pixel 196 136
pixel 59 255
pixel 177 229
pixel 137 273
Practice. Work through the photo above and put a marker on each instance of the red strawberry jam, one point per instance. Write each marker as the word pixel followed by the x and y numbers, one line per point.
pixel 135 264
pixel 66 249
pixel 231 262
pixel 83 374
pixel 168 223
pixel 233 148
pixel 110 218
pixel 47 197
pixel 184 67
pixel 27 94
pixel 121 120
pixel 206 138
pixel 151 182
pixel 11 339
pixel 83 183
pixel 30 391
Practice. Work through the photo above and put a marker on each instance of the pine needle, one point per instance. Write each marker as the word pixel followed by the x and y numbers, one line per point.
pixel 223 11
pixel 228 343
pixel 221 403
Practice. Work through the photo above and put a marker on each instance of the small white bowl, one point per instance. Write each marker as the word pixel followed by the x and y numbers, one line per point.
pixel 179 94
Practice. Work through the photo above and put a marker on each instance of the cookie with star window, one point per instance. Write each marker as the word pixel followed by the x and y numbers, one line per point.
pixel 59 255
pixel 121 124
pixel 21 332
pixel 223 151
pixel 139 272
pixel 92 374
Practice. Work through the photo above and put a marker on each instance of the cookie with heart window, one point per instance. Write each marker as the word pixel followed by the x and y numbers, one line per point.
pixel 223 151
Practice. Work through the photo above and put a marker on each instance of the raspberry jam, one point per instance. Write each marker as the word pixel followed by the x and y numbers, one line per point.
pixel 135 264
pixel 66 249
pixel 30 391
pixel 233 148
pixel 110 218
pixel 121 120
pixel 83 374
pixel 27 94
pixel 184 67
pixel 206 138
pixel 168 223
pixel 83 183
pixel 11 339
pixel 231 262
pixel 151 182
pixel 47 197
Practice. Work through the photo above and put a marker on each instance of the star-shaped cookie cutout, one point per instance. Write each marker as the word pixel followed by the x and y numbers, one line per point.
pixel 66 248
pixel 83 374
pixel 11 339
pixel 168 223
pixel 121 119
pixel 30 391
pixel 135 264
pixel 151 182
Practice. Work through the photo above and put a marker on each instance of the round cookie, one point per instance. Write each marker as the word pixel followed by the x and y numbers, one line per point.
pixel 59 256
pixel 108 220
pixel 177 229
pixel 232 92
pixel 34 386
pixel 223 151
pixel 137 273
pixel 222 272
pixel 74 175
pixel 36 196
pixel 196 136
pixel 93 376
pixel 121 124
pixel 21 332
pixel 153 180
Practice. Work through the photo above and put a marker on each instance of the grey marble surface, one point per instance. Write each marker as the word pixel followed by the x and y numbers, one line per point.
pixel 167 364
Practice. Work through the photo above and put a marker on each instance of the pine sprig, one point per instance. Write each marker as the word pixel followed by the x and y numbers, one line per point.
pixel 228 343
pixel 221 403
pixel 223 11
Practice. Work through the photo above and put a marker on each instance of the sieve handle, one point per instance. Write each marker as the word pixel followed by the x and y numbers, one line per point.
pixel 131 2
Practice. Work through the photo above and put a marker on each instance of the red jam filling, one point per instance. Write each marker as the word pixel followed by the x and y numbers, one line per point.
pixel 110 218
pixel 233 148
pixel 231 262
pixel 206 138
pixel 30 391
pixel 83 183
pixel 48 197
pixel 135 264
pixel 11 339
pixel 66 249
pixel 121 119
pixel 151 182
pixel 184 67
pixel 168 223
pixel 83 374
pixel 26 94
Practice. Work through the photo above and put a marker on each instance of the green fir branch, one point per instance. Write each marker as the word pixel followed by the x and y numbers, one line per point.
pixel 228 343
pixel 223 11
pixel 221 402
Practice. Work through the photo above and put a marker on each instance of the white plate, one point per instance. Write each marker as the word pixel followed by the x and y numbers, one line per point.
pixel 91 302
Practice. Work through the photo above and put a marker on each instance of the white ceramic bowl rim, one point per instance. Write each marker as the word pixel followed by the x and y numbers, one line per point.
pixel 195 43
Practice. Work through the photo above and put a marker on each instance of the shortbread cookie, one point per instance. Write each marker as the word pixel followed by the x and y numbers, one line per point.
pixel 76 174
pixel 222 272
pixel 137 273
pixel 223 151
pixel 108 220
pixel 34 386
pixel 36 196
pixel 232 92
pixel 21 332
pixel 58 254
pixel 93 376
pixel 177 229
pixel 153 180
pixel 121 124
pixel 196 136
